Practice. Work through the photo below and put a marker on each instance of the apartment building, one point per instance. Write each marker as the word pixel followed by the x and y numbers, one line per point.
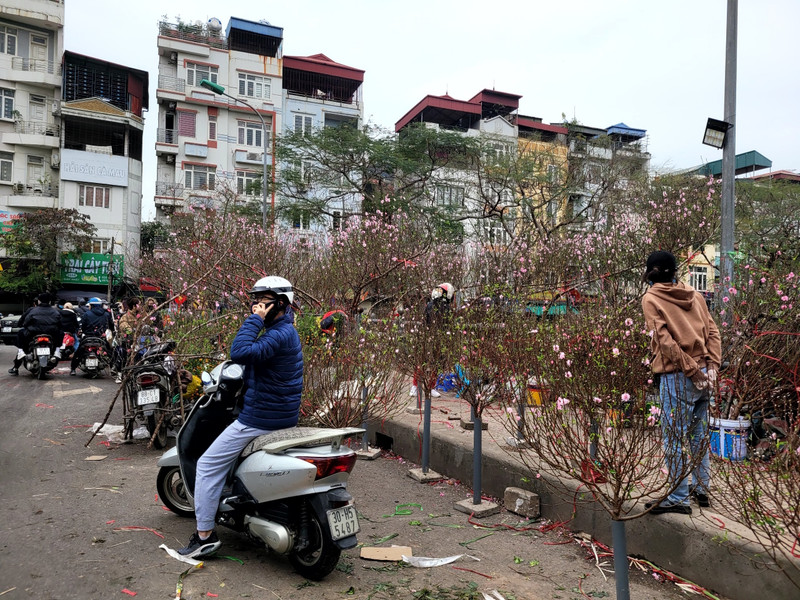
pixel 212 148
pixel 31 45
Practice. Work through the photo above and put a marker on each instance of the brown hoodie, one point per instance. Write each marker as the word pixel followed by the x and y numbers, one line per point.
pixel 685 337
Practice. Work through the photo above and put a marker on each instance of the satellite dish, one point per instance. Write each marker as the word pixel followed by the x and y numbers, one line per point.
pixel 214 24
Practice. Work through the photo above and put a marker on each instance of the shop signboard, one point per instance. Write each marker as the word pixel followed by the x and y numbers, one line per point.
pixel 90 268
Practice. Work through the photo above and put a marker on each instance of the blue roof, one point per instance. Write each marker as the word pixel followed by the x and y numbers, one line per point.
pixel 253 27
pixel 623 129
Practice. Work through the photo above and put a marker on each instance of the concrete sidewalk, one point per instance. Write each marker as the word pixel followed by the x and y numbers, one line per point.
pixel 695 547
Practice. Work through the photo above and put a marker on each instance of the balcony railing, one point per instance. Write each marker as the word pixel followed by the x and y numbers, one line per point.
pixel 35 189
pixel 173 84
pixel 37 128
pixel 199 34
pixel 166 136
pixel 36 65
pixel 169 189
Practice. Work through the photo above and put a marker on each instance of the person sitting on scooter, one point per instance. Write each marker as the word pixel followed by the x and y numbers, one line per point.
pixel 69 322
pixel 41 319
pixel 273 361
pixel 95 322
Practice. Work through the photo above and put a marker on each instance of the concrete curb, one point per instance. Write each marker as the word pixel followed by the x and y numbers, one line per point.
pixel 693 547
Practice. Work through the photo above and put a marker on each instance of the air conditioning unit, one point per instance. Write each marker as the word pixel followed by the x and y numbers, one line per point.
pixel 173 57
pixel 253 156
pixel 56 107
pixel 170 159
pixel 55 159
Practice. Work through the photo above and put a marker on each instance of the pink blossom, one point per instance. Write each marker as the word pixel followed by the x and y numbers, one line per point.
pixel 628 322
pixel 726 299
pixel 615 351
pixel 784 298
pixel 561 356
pixel 596 399
pixel 561 403
pixel 626 397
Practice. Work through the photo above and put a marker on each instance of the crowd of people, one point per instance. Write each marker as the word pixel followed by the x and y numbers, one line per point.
pixel 121 326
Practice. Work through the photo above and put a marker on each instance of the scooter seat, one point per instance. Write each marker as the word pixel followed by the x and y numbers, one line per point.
pixel 298 437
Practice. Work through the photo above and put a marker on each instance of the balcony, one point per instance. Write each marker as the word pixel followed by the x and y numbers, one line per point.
pixel 171 88
pixel 36 71
pixel 32 195
pixel 169 189
pixel 249 158
pixel 37 134
pixel 189 39
pixel 166 141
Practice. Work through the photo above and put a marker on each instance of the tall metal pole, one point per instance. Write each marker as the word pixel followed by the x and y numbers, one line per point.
pixel 264 157
pixel 110 271
pixel 729 149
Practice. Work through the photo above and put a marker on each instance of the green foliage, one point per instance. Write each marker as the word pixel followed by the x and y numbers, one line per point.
pixel 153 234
pixel 36 242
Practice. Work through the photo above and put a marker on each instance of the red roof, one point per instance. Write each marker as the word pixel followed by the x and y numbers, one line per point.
pixel 495 97
pixel 445 102
pixel 321 64
pixel 778 175
pixel 531 124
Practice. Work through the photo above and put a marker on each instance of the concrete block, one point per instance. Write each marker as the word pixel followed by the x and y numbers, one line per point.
pixel 428 477
pixel 368 454
pixel 484 509
pixel 470 425
pixel 522 502
pixel 413 410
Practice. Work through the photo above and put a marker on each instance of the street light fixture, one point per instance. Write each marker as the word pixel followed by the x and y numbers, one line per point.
pixel 716 131
pixel 218 89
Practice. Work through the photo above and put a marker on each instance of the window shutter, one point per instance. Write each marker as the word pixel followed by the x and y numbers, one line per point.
pixel 186 124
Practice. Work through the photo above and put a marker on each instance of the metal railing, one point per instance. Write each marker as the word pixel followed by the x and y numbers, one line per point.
pixel 173 84
pixel 169 189
pixel 35 189
pixel 200 34
pixel 36 65
pixel 37 128
pixel 166 136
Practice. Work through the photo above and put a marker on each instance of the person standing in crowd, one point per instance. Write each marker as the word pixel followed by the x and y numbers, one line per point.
pixel 686 354
pixel 436 310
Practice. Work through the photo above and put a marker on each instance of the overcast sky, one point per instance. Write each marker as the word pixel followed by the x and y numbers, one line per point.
pixel 654 65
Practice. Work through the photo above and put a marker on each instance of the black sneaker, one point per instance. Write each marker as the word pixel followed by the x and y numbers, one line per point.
pixel 660 509
pixel 13 371
pixel 702 499
pixel 72 372
pixel 197 547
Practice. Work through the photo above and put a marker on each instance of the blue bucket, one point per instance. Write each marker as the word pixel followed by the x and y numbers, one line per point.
pixel 729 438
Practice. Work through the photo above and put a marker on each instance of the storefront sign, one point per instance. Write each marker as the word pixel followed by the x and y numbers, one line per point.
pixel 92 167
pixel 7 219
pixel 90 268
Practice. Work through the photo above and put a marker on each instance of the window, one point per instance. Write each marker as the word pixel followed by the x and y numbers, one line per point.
pixel 446 195
pixel 552 174
pixel 196 73
pixel 7 108
pixel 698 278
pixel 250 133
pixel 496 152
pixel 302 124
pixel 337 221
pixel 247 182
pixel 187 122
pixel 101 245
pixel 92 195
pixel 8 40
pixel 6 166
pixel 212 127
pixel 496 233
pixel 199 177
pixel 301 220
pixel 254 86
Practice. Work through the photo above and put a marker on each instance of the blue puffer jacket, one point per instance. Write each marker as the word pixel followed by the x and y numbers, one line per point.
pixel 273 372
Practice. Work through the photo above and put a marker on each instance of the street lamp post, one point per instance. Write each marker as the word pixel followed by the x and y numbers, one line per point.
pixel 729 149
pixel 218 89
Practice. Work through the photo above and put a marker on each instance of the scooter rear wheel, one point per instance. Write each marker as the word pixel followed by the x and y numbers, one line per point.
pixel 160 440
pixel 172 491
pixel 321 555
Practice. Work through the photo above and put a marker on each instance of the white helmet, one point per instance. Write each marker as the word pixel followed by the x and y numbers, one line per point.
pixel 277 285
pixel 444 289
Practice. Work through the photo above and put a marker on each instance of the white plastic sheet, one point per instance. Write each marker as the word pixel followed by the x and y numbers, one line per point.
pixel 425 562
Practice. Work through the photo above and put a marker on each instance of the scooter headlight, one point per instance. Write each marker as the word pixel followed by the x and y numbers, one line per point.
pixel 233 371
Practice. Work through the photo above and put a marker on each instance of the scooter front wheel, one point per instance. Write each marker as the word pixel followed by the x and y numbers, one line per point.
pixel 172 491
pixel 321 555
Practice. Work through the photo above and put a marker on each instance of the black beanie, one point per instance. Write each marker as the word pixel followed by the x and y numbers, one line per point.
pixel 661 267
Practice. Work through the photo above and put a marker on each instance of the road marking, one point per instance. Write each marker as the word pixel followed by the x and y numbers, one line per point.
pixel 91 390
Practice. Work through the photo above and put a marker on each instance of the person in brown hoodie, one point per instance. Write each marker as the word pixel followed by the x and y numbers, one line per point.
pixel 686 351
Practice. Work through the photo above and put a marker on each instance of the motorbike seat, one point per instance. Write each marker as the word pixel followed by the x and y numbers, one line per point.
pixel 161 348
pixel 298 437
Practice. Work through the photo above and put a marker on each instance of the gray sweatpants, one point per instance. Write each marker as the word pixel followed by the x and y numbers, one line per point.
pixel 213 468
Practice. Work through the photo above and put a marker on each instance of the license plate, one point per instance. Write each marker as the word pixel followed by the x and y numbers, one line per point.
pixel 91 362
pixel 42 351
pixel 6 329
pixel 343 522
pixel 147 397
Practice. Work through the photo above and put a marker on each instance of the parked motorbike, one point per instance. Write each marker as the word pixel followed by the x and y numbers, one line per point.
pixel 289 487
pixel 152 392
pixel 95 356
pixel 40 358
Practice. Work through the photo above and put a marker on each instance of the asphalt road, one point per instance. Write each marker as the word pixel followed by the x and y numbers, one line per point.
pixel 77 528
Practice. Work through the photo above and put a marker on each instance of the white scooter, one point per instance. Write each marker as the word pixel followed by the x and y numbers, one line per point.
pixel 288 489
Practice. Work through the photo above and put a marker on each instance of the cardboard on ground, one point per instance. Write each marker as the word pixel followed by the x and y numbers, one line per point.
pixel 391 553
